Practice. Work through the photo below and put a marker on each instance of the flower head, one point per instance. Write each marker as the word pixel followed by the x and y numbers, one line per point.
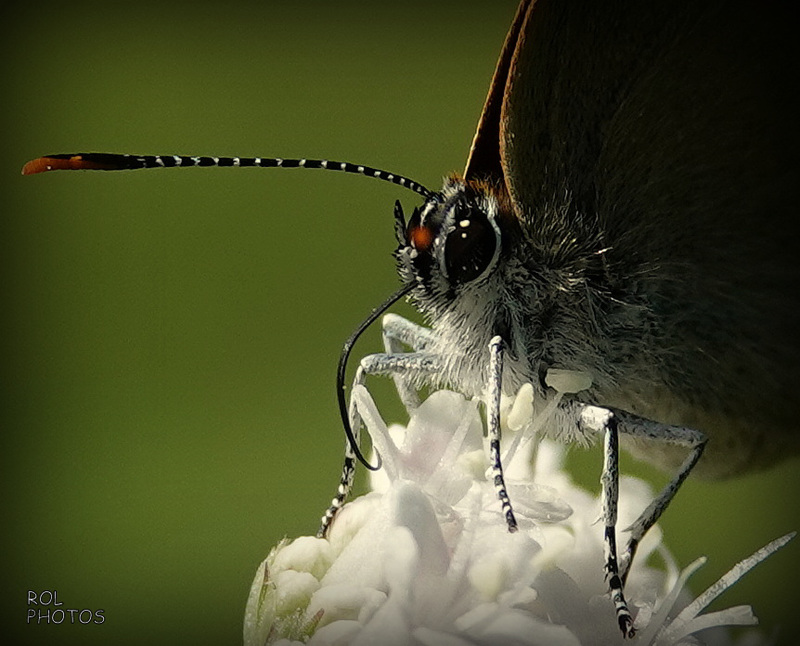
pixel 425 557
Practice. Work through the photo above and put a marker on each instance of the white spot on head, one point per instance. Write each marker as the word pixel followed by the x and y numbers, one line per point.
pixel 464 224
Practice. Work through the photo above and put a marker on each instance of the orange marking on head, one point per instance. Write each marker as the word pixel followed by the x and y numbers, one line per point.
pixel 421 238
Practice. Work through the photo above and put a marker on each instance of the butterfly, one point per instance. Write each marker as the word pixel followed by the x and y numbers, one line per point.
pixel 623 214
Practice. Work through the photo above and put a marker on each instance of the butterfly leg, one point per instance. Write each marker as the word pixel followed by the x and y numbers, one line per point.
pixel 402 366
pixel 495 380
pixel 347 477
pixel 399 332
pixel 594 419
pixel 610 498
pixel 395 365
pixel 694 440
pixel 611 423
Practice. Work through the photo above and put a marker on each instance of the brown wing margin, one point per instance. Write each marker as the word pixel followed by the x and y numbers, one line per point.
pixel 484 155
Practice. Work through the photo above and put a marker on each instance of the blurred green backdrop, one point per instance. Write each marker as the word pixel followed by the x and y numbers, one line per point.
pixel 170 338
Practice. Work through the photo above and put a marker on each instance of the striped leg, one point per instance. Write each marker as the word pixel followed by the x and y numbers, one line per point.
pixel 611 423
pixel 610 497
pixel 348 468
pixel 345 486
pixel 493 426
pixel 397 331
pixel 644 428
pixel 400 366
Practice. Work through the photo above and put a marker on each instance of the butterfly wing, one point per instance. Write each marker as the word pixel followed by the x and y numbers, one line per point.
pixel 484 155
pixel 666 133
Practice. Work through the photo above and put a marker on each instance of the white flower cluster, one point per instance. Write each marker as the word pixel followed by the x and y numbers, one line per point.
pixel 425 558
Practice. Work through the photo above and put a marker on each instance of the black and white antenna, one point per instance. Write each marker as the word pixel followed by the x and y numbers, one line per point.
pixel 113 161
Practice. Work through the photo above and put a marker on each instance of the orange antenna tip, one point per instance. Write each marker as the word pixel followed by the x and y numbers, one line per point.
pixel 62 162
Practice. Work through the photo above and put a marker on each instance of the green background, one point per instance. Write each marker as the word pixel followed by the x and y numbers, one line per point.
pixel 170 338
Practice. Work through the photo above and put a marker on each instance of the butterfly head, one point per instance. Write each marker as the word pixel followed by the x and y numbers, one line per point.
pixel 451 243
pixel 455 252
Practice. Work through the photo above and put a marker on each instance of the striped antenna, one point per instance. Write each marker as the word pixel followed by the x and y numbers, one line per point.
pixel 112 161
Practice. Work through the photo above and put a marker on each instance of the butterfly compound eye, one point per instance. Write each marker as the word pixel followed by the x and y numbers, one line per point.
pixel 470 249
